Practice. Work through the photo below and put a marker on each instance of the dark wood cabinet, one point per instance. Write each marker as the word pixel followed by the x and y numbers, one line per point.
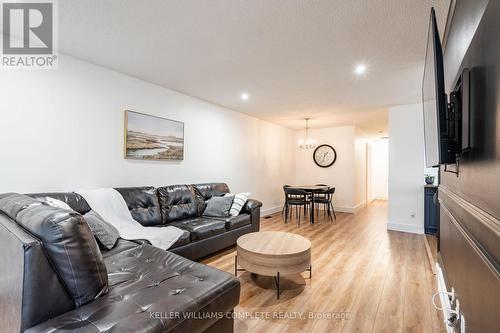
pixel 431 210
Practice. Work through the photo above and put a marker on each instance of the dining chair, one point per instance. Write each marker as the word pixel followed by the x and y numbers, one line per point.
pixel 298 199
pixel 327 201
pixel 284 203
pixel 320 194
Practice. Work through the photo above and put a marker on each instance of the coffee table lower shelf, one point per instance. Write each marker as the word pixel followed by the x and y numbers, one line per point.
pixel 276 277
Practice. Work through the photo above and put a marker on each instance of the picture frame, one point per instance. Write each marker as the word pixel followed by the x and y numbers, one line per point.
pixel 149 137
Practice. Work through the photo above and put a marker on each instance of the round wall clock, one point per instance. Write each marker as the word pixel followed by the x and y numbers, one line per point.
pixel 324 156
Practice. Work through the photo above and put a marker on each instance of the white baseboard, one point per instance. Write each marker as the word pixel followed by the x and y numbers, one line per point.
pixel 359 206
pixel 272 210
pixel 340 209
pixel 350 210
pixel 269 211
pixel 411 228
pixel 379 198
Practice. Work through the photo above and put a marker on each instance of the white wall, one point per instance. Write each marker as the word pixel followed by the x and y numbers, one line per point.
pixel 379 169
pixel 342 174
pixel 406 176
pixel 369 197
pixel 63 130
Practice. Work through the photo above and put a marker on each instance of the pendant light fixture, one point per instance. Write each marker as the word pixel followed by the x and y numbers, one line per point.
pixel 308 143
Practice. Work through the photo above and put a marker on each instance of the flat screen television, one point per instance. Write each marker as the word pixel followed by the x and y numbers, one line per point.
pixel 439 143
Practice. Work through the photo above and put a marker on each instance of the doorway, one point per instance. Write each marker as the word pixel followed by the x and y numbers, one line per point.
pixel 377 171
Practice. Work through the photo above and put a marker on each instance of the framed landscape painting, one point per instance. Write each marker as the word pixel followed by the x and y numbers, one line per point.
pixel 153 138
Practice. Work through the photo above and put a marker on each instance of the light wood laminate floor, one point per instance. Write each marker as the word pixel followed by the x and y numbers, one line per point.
pixel 380 279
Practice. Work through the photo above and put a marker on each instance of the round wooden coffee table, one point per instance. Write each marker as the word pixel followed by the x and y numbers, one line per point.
pixel 273 253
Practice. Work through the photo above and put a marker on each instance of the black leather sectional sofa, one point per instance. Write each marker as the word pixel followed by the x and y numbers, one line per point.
pixel 148 289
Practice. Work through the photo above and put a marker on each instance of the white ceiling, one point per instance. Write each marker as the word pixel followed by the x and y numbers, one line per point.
pixel 295 58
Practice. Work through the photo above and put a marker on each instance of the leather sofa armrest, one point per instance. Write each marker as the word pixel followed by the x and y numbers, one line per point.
pixel 252 207
pixel 29 285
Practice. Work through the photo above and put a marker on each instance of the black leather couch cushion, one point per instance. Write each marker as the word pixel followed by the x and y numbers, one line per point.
pixel 146 282
pixel 178 202
pixel 143 204
pixel 120 246
pixel 201 227
pixel 184 239
pixel 74 200
pixel 234 222
pixel 68 241
pixel 208 190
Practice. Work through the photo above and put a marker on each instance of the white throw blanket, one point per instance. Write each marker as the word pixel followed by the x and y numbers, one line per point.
pixel 110 204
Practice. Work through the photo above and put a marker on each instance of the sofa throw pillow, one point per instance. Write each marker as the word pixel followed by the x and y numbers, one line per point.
pixel 106 234
pixel 239 201
pixel 218 206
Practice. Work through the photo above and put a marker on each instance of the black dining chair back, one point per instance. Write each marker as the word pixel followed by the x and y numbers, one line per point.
pixel 295 193
pixel 325 198
pixel 321 194
pixel 284 202
pixel 296 198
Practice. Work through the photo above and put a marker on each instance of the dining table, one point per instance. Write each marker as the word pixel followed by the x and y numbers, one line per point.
pixel 311 189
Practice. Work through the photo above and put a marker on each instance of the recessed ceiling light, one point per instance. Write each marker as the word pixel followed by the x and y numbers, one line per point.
pixel 360 69
pixel 244 96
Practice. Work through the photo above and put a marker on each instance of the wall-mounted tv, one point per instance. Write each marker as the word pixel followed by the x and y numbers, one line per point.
pixel 439 142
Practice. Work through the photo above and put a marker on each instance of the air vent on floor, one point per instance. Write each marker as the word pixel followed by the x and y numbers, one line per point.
pixel 267 217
